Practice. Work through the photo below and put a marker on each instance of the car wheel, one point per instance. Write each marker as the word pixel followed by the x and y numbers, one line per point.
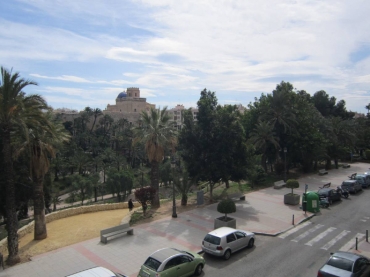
pixel 198 270
pixel 250 243
pixel 227 254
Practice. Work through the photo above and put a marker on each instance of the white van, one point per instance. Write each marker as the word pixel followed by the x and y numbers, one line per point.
pixel 96 272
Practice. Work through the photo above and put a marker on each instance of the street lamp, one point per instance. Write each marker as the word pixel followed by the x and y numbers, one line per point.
pixel 174 215
pixel 285 150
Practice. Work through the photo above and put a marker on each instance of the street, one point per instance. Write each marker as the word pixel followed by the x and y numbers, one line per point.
pixel 300 253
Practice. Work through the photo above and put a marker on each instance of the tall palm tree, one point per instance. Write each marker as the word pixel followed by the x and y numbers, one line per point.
pixel 156 133
pixel 262 136
pixel 41 146
pixel 96 113
pixel 17 111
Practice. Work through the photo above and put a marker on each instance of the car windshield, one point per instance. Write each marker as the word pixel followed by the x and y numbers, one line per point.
pixel 341 263
pixel 346 185
pixel 152 263
pixel 212 239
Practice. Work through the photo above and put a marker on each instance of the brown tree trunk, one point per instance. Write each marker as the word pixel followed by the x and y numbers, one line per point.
pixel 227 183
pixel 154 177
pixel 11 214
pixel 39 209
pixel 184 200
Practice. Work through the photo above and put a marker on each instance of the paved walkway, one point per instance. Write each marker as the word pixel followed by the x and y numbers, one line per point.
pixel 263 212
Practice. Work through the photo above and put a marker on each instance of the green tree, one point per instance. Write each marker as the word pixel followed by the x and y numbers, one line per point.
pixel 41 145
pixel 17 112
pixel 120 182
pixel 157 134
pixel 183 185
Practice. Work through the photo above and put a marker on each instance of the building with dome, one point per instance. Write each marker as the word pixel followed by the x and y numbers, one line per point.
pixel 129 105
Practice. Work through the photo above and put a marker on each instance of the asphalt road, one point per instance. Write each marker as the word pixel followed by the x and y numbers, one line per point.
pixel 303 252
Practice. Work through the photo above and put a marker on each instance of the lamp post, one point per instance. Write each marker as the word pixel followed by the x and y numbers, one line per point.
pixel 285 150
pixel 174 215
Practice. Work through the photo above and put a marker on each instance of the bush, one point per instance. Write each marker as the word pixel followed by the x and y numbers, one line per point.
pixel 367 154
pixel 226 206
pixel 292 184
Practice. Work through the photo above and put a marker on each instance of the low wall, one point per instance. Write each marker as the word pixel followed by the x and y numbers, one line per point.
pixel 62 214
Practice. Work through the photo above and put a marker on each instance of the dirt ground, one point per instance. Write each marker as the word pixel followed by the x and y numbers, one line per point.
pixel 74 229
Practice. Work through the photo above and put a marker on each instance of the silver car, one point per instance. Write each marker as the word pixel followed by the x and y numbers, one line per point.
pixel 363 179
pixel 345 264
pixel 224 241
pixel 96 271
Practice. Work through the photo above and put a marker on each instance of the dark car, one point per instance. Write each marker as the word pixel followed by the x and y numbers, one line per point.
pixel 331 194
pixel 352 186
pixel 344 264
pixel 364 179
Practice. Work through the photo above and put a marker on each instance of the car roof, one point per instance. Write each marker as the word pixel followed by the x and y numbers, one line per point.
pixel 361 175
pixel 163 254
pixel 94 272
pixel 347 255
pixel 224 231
pixel 350 181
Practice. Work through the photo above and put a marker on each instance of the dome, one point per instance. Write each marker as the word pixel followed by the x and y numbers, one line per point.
pixel 122 95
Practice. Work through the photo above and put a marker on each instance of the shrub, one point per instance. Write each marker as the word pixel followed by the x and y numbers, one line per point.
pixel 226 206
pixel 292 184
pixel 367 154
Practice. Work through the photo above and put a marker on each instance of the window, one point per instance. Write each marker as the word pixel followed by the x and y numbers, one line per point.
pixel 212 239
pixel 171 263
pixel 230 238
pixel 135 94
pixel 239 235
pixel 152 263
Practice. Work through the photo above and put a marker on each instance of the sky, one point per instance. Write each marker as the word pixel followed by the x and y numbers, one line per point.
pixel 83 53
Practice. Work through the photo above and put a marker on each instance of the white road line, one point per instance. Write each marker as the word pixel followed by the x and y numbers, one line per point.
pixel 366 217
pixel 320 236
pixel 350 244
pixel 363 220
pixel 318 226
pixel 334 240
pixel 295 229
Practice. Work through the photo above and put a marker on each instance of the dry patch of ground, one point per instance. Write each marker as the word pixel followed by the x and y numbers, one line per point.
pixel 74 229
pixel 70 230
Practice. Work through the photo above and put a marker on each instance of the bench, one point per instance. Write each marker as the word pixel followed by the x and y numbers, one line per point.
pixel 346 165
pixel 322 172
pixel 116 230
pixel 279 184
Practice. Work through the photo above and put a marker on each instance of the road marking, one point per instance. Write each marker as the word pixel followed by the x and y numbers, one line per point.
pixel 295 229
pixel 305 234
pixel 363 220
pixel 320 236
pixel 366 217
pixel 334 240
pixel 351 243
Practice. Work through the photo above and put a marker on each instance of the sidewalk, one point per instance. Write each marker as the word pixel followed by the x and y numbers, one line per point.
pixel 263 212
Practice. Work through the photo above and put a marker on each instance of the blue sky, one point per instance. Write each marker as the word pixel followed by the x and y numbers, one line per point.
pixel 83 53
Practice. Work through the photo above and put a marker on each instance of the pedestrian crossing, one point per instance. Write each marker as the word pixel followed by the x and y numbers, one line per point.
pixel 322 237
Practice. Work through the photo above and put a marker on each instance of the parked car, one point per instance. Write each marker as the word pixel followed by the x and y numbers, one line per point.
pixel 96 271
pixel 331 194
pixel 363 179
pixel 345 264
pixel 224 241
pixel 171 262
pixel 352 186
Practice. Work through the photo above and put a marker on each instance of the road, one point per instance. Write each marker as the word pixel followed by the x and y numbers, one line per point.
pixel 303 250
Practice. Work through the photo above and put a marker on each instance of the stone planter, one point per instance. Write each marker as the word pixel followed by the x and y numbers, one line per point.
pixel 292 199
pixel 221 222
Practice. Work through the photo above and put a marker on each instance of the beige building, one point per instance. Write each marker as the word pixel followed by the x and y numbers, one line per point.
pixel 176 115
pixel 129 105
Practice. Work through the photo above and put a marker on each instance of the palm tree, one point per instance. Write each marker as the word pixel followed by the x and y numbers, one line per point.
pixel 41 145
pixel 96 113
pixel 262 136
pixel 16 112
pixel 156 133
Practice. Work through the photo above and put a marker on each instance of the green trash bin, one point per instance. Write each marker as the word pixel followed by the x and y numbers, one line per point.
pixel 312 200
